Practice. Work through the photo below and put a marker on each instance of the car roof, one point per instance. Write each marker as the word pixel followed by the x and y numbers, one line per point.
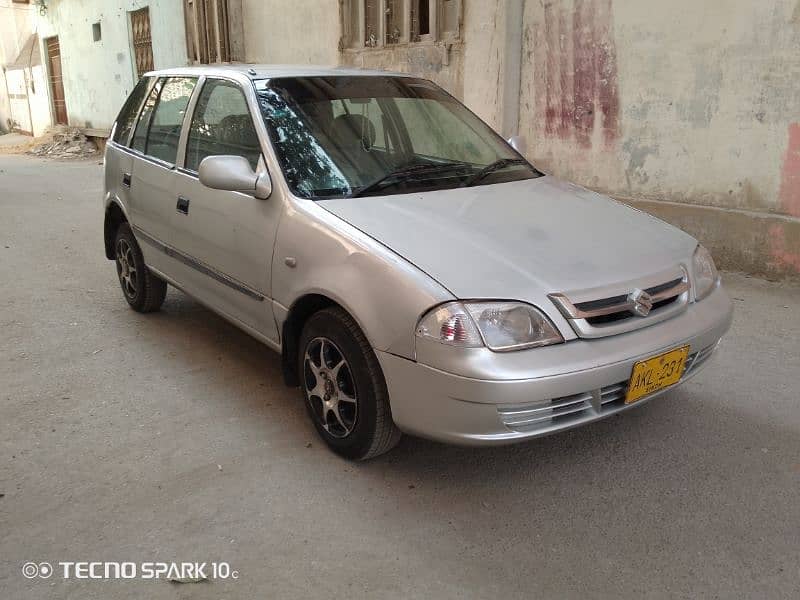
pixel 261 71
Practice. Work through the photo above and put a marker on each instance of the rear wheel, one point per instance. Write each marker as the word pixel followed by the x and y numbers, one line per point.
pixel 144 291
pixel 344 388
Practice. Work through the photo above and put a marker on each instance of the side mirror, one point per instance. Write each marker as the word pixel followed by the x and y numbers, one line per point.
pixel 234 174
pixel 517 142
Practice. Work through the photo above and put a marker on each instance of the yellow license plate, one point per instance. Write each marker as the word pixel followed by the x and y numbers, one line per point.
pixel 656 373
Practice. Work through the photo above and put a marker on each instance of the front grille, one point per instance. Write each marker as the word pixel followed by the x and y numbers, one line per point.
pixel 563 411
pixel 593 305
pixel 611 315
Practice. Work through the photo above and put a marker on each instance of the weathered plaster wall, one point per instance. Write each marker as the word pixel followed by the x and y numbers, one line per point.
pixel 683 101
pixel 442 63
pixel 30 108
pixel 39 100
pixel 98 76
pixel 299 32
pixel 485 56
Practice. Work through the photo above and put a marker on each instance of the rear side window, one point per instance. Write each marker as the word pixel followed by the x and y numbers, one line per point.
pixel 221 124
pixel 165 128
pixel 159 128
pixel 129 112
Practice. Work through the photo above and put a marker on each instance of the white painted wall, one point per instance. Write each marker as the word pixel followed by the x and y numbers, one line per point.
pixel 98 76
pixel 296 32
pixel 39 99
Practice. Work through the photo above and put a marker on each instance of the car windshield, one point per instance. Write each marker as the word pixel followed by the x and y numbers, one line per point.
pixel 345 136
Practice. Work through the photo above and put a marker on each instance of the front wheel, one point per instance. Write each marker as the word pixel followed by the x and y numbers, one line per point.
pixel 344 388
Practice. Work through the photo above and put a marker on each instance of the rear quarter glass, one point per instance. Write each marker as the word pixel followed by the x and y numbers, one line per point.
pixel 130 110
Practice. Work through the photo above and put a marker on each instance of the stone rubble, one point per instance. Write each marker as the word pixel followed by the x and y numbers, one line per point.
pixel 64 142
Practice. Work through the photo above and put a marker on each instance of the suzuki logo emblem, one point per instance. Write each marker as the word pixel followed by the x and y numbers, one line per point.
pixel 642 302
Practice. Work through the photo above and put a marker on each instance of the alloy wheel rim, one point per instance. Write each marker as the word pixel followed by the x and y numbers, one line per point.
pixel 330 387
pixel 126 268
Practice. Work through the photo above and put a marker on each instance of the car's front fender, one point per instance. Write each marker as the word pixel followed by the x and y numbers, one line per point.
pixel 318 253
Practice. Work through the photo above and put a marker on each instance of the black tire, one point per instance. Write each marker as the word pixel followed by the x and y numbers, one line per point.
pixel 358 433
pixel 144 291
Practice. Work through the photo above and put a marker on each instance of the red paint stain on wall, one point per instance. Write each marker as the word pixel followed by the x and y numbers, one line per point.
pixel 607 89
pixel 784 248
pixel 580 71
pixel 790 174
pixel 784 258
pixel 565 80
pixel 585 65
pixel 551 69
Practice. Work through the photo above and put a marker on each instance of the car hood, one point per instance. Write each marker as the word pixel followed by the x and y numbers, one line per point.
pixel 518 240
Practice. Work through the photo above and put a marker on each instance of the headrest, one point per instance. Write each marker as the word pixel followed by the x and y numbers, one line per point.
pixel 349 130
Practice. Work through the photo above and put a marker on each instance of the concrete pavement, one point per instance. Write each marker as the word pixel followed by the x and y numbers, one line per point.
pixel 170 437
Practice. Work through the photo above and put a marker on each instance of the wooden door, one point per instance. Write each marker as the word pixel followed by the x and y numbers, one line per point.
pixel 142 41
pixel 56 80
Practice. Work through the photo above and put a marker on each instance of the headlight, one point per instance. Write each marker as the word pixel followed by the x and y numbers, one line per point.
pixel 501 326
pixel 705 273
pixel 450 324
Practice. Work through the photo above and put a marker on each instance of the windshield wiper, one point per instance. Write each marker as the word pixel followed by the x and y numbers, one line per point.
pixel 414 169
pixel 496 166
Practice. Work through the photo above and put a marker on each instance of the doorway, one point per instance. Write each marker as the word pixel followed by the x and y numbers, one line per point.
pixel 142 41
pixel 55 76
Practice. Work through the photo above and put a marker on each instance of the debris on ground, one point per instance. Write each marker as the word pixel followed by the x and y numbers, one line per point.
pixel 64 142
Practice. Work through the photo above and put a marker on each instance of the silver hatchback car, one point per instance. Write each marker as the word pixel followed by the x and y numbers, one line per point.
pixel 415 272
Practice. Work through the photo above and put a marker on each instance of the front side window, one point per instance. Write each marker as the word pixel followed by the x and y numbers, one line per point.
pixel 221 124
pixel 365 135
pixel 127 116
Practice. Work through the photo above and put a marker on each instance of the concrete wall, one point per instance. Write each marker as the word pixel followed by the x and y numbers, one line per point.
pixel 98 76
pixel 16 25
pixel 296 32
pixel 685 102
pixel 39 99
pixel 441 63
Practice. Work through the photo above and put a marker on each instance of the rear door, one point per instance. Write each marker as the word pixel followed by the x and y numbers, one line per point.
pixel 118 157
pixel 155 148
pixel 227 238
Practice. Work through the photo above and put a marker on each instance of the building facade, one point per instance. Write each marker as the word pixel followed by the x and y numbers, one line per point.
pixel 100 47
pixel 688 110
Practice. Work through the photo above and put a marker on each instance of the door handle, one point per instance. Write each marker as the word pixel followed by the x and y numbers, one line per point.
pixel 126 180
pixel 183 205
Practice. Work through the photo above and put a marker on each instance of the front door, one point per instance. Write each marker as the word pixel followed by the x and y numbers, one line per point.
pixel 229 236
pixel 56 80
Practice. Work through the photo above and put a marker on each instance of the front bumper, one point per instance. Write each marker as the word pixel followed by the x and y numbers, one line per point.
pixel 440 405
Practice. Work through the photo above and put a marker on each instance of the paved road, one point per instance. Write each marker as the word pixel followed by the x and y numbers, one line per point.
pixel 170 437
